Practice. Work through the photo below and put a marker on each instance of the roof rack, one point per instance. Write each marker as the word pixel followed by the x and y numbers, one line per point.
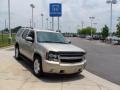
pixel 28 27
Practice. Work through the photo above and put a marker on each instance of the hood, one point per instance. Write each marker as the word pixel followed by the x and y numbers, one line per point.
pixel 57 47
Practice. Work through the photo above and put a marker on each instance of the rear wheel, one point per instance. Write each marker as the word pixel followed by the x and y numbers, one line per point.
pixel 37 65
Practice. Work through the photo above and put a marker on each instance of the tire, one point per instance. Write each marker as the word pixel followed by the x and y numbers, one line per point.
pixel 17 52
pixel 37 66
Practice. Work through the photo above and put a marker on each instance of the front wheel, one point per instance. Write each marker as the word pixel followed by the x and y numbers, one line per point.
pixel 37 67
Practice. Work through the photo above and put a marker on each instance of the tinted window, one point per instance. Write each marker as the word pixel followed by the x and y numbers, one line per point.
pixel 31 34
pixel 25 34
pixel 19 32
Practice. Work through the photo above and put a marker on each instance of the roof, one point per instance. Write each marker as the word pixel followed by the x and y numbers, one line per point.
pixel 44 30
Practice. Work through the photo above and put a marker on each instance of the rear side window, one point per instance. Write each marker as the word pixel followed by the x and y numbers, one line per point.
pixel 25 33
pixel 19 32
pixel 31 34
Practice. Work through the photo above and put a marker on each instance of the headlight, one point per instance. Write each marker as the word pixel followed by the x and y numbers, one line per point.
pixel 52 56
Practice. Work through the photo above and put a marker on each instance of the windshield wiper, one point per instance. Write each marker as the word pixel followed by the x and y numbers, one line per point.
pixel 52 42
pixel 47 41
pixel 61 42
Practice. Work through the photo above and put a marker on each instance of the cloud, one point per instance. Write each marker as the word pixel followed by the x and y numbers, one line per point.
pixel 74 11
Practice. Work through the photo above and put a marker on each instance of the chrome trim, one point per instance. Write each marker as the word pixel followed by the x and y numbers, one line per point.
pixel 71 58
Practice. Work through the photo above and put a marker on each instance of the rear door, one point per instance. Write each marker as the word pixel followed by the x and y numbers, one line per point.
pixel 30 45
pixel 23 42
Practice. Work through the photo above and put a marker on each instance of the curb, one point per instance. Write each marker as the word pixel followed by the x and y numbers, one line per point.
pixel 100 81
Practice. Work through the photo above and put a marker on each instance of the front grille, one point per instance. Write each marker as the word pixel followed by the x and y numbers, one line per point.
pixel 71 61
pixel 71 57
pixel 71 54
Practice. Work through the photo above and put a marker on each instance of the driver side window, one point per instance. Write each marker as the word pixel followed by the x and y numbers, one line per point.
pixel 31 34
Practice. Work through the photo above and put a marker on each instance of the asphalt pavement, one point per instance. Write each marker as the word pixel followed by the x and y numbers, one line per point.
pixel 103 59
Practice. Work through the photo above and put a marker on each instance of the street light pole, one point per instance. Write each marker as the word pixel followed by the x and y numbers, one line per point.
pixel 111 20
pixel 9 21
pixel 5 24
pixel 46 23
pixel 95 26
pixel 82 24
pixel 32 6
pixel 111 2
pixel 42 19
pixel 30 23
pixel 91 18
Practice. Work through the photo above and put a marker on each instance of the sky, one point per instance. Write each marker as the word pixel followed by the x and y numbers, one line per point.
pixel 73 13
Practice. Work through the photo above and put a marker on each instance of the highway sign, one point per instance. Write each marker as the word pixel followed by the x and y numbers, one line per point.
pixel 55 9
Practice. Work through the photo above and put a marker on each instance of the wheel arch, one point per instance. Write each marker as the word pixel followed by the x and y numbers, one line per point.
pixel 16 44
pixel 37 55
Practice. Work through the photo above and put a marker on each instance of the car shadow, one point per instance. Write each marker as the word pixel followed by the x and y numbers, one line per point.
pixel 50 78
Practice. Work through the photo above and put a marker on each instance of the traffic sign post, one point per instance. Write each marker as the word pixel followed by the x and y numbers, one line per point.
pixel 55 11
pixel 53 23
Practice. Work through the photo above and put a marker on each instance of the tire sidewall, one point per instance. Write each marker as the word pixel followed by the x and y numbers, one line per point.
pixel 17 56
pixel 40 73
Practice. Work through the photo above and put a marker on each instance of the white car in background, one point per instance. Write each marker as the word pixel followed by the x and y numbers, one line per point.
pixel 113 39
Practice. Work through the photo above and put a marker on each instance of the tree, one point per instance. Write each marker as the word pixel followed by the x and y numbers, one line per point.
pixel 105 32
pixel 118 28
pixel 6 30
pixel 15 30
pixel 86 31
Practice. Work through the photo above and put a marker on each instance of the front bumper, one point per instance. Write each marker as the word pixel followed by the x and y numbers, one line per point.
pixel 63 68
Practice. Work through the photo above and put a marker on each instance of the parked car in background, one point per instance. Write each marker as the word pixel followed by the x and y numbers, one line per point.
pixel 113 39
pixel 82 36
pixel 88 37
pixel 96 37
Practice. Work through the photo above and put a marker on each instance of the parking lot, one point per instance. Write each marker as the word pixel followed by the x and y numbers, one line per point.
pixel 103 59
pixel 17 75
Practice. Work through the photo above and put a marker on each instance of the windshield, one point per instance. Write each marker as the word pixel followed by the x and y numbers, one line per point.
pixel 50 37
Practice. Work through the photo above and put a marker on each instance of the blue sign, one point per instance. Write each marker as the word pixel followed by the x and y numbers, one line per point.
pixel 55 9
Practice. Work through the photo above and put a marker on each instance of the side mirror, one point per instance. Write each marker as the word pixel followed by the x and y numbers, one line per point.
pixel 29 39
